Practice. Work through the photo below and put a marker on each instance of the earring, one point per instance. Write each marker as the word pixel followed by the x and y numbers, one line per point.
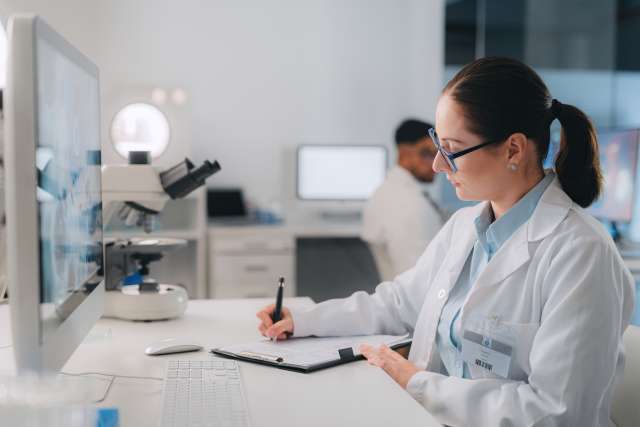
pixel 513 167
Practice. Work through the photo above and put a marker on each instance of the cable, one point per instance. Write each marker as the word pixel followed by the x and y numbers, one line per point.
pixel 112 375
pixel 111 380
pixel 106 392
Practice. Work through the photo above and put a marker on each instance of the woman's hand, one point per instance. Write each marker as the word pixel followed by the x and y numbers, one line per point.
pixel 398 368
pixel 280 330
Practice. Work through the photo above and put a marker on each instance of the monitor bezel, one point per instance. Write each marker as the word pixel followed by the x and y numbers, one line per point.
pixel 636 180
pixel 303 146
pixel 32 352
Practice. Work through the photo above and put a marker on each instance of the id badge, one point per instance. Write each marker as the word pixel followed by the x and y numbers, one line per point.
pixel 486 352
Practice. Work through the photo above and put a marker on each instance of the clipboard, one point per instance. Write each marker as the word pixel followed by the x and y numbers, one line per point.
pixel 335 356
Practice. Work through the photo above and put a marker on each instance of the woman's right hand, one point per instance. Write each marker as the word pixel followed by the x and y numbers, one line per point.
pixel 282 329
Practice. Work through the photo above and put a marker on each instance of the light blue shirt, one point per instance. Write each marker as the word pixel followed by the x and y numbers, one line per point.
pixel 491 236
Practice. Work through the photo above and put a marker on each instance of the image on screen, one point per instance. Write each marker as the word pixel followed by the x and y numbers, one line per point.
pixel 69 181
pixel 618 158
pixel 340 172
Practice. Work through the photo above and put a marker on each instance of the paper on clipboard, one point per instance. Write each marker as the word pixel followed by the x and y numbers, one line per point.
pixel 309 351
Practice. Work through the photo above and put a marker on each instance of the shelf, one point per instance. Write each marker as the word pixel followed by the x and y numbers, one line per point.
pixel 177 234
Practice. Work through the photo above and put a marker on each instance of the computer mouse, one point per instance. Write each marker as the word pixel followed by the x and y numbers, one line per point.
pixel 172 345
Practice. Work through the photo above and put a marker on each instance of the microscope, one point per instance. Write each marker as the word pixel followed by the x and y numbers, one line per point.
pixel 136 193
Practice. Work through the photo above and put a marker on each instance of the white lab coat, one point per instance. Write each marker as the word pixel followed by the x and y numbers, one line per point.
pixel 399 221
pixel 558 284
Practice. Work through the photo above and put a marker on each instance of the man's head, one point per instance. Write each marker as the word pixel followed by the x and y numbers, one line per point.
pixel 415 149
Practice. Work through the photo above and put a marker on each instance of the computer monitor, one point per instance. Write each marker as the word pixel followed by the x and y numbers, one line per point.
pixel 618 160
pixel 53 195
pixel 340 172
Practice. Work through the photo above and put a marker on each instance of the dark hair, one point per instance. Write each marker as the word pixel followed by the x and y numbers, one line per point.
pixel 502 96
pixel 411 131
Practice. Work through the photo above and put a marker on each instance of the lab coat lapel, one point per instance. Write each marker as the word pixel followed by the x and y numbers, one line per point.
pixel 463 238
pixel 513 254
pixel 462 241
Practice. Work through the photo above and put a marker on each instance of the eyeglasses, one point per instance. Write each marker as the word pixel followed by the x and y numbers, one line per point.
pixel 450 157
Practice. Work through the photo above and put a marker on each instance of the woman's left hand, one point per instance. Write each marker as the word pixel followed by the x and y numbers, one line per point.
pixel 398 368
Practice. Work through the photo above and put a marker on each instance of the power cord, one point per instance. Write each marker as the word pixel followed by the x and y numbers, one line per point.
pixel 111 380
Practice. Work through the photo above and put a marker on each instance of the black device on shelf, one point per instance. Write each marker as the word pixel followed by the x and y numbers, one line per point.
pixel 226 203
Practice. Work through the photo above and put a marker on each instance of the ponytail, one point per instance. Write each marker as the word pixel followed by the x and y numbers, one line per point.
pixel 502 96
pixel 577 163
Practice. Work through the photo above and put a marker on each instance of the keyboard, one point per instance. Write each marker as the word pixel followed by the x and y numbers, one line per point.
pixel 204 393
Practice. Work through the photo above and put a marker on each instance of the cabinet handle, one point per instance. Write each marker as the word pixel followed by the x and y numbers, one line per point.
pixel 255 268
pixel 255 246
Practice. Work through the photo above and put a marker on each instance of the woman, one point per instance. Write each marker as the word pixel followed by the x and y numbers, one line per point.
pixel 518 306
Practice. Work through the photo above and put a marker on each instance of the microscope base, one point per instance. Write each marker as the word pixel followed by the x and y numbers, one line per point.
pixel 130 304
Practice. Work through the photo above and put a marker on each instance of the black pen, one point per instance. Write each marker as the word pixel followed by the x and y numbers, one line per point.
pixel 277 312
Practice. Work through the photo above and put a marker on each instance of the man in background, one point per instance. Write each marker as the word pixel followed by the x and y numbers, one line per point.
pixel 400 219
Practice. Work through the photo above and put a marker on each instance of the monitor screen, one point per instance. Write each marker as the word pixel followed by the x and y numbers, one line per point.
pixel 68 171
pixel 340 172
pixel 618 158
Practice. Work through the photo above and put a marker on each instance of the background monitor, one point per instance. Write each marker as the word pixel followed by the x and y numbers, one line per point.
pixel 340 172
pixel 53 194
pixel 618 159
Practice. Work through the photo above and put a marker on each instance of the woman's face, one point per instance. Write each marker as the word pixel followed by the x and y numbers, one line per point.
pixel 482 174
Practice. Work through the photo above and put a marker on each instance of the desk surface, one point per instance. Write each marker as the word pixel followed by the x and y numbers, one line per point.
pixel 295 227
pixel 355 394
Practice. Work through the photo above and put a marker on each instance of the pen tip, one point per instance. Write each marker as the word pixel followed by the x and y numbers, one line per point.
pixel 281 280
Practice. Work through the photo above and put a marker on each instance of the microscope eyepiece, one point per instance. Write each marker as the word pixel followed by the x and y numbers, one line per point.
pixel 183 178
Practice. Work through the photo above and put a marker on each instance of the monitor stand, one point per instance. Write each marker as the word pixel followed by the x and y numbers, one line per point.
pixel 341 216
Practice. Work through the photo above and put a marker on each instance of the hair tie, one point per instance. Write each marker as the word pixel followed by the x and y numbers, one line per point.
pixel 556 108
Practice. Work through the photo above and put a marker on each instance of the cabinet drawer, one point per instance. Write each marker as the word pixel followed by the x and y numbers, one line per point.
pixel 251 270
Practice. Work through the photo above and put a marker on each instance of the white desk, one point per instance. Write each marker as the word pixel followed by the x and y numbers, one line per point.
pixel 355 394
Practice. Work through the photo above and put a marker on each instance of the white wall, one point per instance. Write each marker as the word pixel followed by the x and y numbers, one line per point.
pixel 77 20
pixel 263 77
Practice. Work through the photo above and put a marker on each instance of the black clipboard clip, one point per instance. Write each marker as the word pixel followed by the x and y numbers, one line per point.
pixel 347 354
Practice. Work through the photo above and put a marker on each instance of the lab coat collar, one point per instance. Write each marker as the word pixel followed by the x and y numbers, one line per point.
pixel 492 235
pixel 551 210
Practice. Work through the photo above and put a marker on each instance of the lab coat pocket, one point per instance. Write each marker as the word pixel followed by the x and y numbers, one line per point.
pixel 497 349
pixel 523 335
